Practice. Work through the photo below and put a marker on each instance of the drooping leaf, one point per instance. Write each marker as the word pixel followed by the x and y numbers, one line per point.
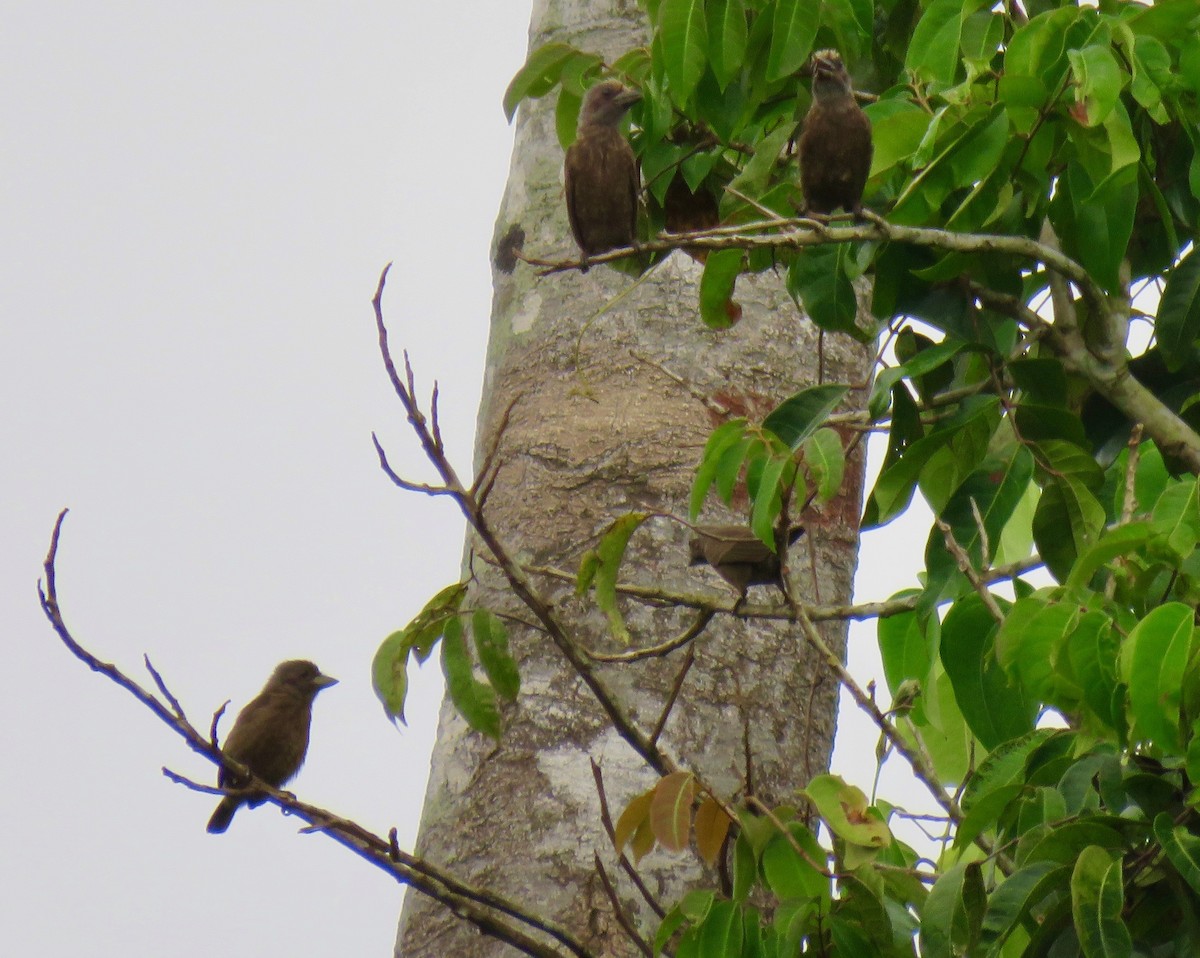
pixel 538 76
pixel 792 32
pixel 952 917
pixel 610 552
pixel 727 36
pixel 635 813
pixel 684 34
pixel 721 270
pixel 474 700
pixel 1097 897
pixel 724 437
pixel 491 644
pixel 711 825
pixel 1153 658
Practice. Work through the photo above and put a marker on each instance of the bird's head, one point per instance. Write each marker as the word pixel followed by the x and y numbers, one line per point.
pixel 606 103
pixel 829 74
pixel 300 675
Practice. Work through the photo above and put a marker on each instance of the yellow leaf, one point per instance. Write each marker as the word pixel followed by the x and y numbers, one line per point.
pixel 636 812
pixel 712 825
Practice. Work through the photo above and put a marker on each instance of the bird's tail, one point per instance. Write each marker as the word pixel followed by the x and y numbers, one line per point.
pixel 223 815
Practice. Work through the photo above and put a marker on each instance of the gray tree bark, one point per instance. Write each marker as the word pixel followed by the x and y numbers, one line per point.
pixel 596 432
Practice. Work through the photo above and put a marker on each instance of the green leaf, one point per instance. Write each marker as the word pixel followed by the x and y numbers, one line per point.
pixel 1095 222
pixel 791 875
pixel 389 674
pixel 990 494
pixel 1097 898
pixel 1116 542
pixel 995 708
pixel 933 50
pixel 726 39
pixel 905 647
pixel 1153 659
pixel 611 552
pixel 721 931
pixel 538 76
pixel 844 808
pixel 474 700
pixel 1066 524
pixel 896 131
pixel 952 917
pixel 1019 896
pixel 1182 848
pixel 800 415
pixel 1092 650
pixel 667 927
pixel 818 279
pixel 894 487
pixel 1032 653
pixel 684 36
pixel 768 499
pixel 1176 516
pixel 721 270
pixel 792 33
pixel 826 461
pixel 491 644
pixel 1178 324
pixel 755 175
pixel 723 438
pixel 1098 80
pixel 389 669
pixel 566 117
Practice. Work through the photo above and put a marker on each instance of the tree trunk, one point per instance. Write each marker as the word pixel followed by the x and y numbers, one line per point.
pixel 601 427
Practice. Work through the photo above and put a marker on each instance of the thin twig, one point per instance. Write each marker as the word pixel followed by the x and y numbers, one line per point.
pixel 663 648
pixel 619 912
pixel 676 688
pixel 492 914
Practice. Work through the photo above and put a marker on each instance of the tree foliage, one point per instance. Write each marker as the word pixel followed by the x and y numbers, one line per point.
pixel 1037 175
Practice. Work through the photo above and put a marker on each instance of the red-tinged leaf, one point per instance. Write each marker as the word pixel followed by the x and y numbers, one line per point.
pixel 712 825
pixel 671 810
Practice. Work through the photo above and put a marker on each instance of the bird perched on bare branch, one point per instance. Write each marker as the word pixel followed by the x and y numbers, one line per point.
pixel 835 145
pixel 270 735
pixel 739 557
pixel 601 173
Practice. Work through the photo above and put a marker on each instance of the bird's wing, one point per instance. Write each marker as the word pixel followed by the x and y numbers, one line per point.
pixel 570 177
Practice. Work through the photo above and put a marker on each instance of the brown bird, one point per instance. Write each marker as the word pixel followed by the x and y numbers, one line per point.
pixel 739 557
pixel 270 735
pixel 601 173
pixel 835 146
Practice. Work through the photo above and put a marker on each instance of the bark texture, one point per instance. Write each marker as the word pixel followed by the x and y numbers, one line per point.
pixel 597 432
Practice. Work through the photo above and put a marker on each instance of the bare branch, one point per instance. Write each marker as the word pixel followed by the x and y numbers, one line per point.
pixel 492 914
pixel 622 858
pixel 676 688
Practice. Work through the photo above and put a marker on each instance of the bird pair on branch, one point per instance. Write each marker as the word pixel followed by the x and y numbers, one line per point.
pixel 602 182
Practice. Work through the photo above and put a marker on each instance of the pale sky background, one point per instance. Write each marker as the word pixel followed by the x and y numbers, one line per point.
pixel 197 200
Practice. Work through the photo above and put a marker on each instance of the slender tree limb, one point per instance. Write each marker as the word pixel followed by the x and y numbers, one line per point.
pixel 622 858
pixel 492 914
pixel 619 911
pixel 976 579
pixel 654 595
pixel 541 608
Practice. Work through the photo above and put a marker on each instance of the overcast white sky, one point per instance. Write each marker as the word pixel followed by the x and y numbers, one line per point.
pixel 197 200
